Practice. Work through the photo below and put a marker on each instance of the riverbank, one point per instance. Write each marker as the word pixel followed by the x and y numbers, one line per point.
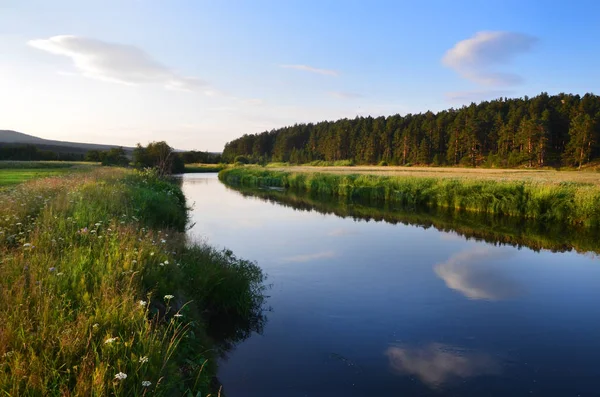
pixel 102 293
pixel 203 168
pixel 569 203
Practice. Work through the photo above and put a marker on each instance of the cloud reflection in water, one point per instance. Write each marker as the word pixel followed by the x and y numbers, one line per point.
pixel 472 274
pixel 437 363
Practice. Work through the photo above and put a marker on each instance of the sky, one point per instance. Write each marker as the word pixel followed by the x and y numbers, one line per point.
pixel 198 73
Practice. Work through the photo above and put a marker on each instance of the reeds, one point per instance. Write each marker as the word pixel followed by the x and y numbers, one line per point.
pixel 568 203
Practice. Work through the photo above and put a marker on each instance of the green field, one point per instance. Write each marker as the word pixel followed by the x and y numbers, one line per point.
pixel 15 172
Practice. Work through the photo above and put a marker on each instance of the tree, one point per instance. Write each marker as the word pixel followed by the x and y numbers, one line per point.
pixel 114 156
pixel 160 156
pixel 581 132
pixel 93 155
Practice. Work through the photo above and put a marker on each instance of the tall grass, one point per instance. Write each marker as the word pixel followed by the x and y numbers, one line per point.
pixel 102 294
pixel 201 168
pixel 568 203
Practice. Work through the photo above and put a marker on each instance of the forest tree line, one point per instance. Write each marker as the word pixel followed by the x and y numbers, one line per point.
pixel 546 130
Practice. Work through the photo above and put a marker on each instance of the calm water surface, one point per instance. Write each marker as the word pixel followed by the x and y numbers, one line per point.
pixel 374 309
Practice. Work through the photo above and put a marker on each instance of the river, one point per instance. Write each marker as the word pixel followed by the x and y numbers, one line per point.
pixel 366 308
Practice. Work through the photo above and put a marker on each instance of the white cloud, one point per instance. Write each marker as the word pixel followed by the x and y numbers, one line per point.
pixel 117 63
pixel 472 274
pixel 309 257
pixel 437 363
pixel 311 69
pixel 476 58
pixel 344 95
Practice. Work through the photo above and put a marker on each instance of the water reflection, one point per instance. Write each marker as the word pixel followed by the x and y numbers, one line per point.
pixel 437 364
pixel 472 274
pixel 481 227
pixel 309 257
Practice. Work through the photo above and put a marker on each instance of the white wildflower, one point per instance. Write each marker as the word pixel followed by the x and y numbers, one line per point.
pixel 146 383
pixel 121 376
pixel 143 359
pixel 95 325
pixel 167 297
pixel 152 254
pixel 163 240
pixel 178 315
pixel 110 340
pixel 27 245
pixel 166 262
pixel 143 303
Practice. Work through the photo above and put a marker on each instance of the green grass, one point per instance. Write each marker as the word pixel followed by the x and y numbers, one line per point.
pixel 88 264
pixel 14 176
pixel 15 172
pixel 200 168
pixel 568 203
pixel 43 164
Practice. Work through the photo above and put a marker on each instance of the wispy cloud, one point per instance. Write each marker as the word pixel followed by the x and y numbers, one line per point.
pixel 436 363
pixel 117 63
pixel 311 69
pixel 477 57
pixel 344 95
pixel 309 257
pixel 472 274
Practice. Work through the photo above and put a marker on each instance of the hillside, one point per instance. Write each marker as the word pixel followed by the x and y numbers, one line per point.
pixel 8 137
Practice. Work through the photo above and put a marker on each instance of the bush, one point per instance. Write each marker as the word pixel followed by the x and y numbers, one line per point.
pixel 241 160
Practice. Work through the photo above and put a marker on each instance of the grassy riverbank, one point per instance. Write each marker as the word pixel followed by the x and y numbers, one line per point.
pixel 201 168
pixel 546 201
pixel 103 295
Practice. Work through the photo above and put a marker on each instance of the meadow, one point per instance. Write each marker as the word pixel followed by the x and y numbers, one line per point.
pixel 547 198
pixel 200 168
pixel 102 294
pixel 15 172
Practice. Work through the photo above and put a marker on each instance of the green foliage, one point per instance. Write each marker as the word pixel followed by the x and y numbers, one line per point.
pixel 160 156
pixel 241 160
pixel 197 157
pixel 21 152
pixel 89 262
pixel 572 204
pixel 114 156
pixel 531 132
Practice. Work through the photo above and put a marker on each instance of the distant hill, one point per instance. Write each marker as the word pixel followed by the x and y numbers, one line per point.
pixel 10 138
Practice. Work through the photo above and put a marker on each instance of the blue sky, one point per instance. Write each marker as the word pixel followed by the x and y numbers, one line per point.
pixel 201 73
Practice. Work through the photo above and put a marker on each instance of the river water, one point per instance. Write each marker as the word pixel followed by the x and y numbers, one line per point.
pixel 365 308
